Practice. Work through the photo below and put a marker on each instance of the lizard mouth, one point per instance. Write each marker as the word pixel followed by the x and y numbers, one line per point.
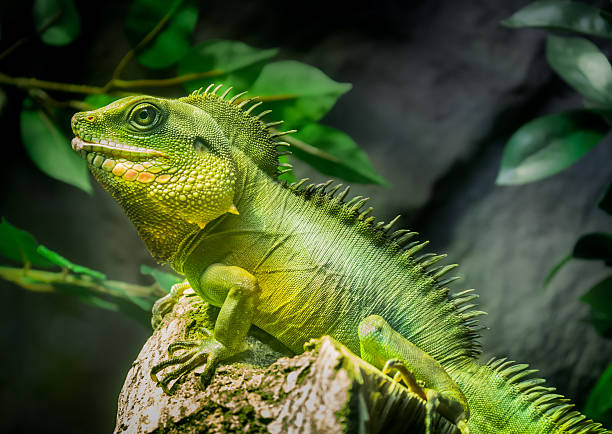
pixel 113 149
pixel 128 162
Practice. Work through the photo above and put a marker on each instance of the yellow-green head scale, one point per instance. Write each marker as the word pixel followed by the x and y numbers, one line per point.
pixel 162 160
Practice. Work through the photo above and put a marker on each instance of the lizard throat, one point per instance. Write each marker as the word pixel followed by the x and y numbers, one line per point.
pixel 130 163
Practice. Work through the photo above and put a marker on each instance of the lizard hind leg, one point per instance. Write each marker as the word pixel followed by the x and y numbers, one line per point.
pixel 386 349
pixel 431 397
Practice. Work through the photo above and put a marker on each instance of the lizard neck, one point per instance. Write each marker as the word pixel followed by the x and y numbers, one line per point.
pixel 261 202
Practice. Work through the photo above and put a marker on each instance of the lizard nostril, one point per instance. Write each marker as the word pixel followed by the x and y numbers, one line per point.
pixel 90 118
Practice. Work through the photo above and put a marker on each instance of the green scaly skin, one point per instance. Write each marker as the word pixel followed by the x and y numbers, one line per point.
pixel 197 177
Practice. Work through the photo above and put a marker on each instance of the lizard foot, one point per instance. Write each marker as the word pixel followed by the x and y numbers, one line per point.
pixel 165 304
pixel 436 403
pixel 207 351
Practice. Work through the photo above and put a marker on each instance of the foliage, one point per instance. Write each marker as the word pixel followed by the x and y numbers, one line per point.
pixel 550 144
pixel 90 286
pixel 161 34
pixel 47 147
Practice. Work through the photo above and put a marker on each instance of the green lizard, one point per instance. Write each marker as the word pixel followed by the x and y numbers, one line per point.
pixel 197 177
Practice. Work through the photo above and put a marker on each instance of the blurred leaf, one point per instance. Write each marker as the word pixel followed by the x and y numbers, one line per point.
pixel 50 150
pixel 594 246
pixel 20 246
pixel 172 43
pixel 100 100
pixel 580 63
pixel 349 162
pixel 165 280
pixel 232 63
pixel 143 303
pixel 547 145
pixel 563 15
pixel 554 270
pixel 59 260
pixel 605 202
pixel 87 296
pixel 599 297
pixel 599 402
pixel 66 21
pixel 297 93
pixel 108 302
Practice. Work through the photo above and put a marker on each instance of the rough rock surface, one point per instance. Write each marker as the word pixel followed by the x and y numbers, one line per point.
pixel 325 390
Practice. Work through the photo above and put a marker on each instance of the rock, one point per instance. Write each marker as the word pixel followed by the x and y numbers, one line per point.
pixel 327 389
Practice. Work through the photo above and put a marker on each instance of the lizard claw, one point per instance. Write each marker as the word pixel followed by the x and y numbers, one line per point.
pixel 196 353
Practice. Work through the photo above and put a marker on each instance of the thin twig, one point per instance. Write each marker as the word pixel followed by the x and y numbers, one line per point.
pixel 165 82
pixel 309 149
pixel 121 84
pixel 130 54
pixel 45 98
pixel 45 281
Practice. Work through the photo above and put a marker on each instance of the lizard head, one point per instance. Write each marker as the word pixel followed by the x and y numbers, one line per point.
pixel 161 159
pixel 374 333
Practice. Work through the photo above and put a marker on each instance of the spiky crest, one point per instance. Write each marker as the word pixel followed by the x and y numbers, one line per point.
pixel 258 140
pixel 398 243
pixel 551 405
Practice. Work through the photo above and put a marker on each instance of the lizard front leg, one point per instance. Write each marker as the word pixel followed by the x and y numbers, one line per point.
pixel 236 291
pixel 386 349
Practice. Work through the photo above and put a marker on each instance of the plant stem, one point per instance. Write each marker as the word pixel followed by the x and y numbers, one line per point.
pixel 25 39
pixel 25 82
pixel 44 281
pixel 130 54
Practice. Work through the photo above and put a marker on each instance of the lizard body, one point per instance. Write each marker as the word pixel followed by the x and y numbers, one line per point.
pixel 197 177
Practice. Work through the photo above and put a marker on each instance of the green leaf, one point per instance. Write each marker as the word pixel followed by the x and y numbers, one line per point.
pixel 297 93
pixel 599 402
pixel 66 21
pixel 548 145
pixel 59 260
pixel 172 43
pixel 605 202
pixel 563 15
pixel 165 280
pixel 599 297
pixel 50 150
pixel 596 246
pixel 20 246
pixel 580 63
pixel 100 100
pixel 342 157
pixel 229 62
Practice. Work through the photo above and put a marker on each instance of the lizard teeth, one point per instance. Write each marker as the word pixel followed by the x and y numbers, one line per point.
pixel 114 149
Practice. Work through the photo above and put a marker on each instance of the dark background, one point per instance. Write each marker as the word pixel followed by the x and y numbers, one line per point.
pixel 438 88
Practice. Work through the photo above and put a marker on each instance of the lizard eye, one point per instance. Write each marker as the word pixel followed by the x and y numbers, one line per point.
pixel 144 116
